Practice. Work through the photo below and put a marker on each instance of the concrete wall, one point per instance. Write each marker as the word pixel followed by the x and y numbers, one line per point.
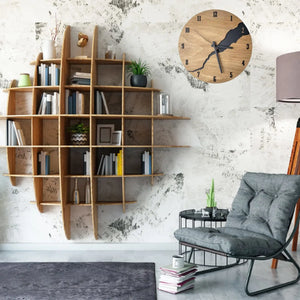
pixel 235 126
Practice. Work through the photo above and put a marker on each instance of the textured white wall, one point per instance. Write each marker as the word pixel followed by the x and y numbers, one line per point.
pixel 235 126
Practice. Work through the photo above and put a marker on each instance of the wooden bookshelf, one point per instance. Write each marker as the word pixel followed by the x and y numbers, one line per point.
pixel 108 76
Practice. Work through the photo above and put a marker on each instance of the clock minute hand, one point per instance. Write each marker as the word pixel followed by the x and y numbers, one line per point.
pixel 217 55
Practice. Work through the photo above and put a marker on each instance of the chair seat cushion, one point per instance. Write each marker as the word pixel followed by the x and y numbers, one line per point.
pixel 232 241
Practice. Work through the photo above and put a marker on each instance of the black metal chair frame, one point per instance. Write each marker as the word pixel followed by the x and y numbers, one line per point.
pixel 281 254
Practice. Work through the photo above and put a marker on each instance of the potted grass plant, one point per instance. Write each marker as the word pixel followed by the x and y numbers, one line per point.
pixel 138 72
pixel 79 134
pixel 210 201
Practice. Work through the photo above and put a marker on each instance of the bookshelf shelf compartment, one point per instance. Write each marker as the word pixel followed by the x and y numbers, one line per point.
pixel 129 109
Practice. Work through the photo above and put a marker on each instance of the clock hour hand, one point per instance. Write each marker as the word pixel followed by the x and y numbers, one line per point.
pixel 217 55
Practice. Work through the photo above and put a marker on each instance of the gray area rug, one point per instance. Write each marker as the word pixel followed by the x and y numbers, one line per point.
pixel 77 281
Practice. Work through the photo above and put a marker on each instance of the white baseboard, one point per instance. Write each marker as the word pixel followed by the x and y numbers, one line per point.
pixel 89 246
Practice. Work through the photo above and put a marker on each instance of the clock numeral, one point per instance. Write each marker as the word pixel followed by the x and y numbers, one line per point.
pixel 198 18
pixel 243 62
pixel 230 18
pixel 215 14
pixel 215 79
pixel 186 61
pixel 187 29
pixel 247 46
pixel 243 29
pixel 198 73
pixel 182 46
pixel 230 75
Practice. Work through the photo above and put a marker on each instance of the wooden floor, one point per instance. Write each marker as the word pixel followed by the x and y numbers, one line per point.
pixel 225 284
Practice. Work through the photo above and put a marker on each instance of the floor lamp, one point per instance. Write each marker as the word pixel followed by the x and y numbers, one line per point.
pixel 288 90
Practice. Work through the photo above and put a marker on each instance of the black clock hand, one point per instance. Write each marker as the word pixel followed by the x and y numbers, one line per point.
pixel 217 55
pixel 232 36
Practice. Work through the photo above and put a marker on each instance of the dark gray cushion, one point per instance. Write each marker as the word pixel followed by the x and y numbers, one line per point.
pixel 259 220
pixel 233 241
pixel 265 204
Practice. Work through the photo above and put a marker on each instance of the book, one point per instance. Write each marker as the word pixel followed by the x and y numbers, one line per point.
pixel 104 103
pixel 100 165
pixel 169 269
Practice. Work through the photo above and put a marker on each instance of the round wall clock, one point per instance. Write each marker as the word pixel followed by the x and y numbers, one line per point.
pixel 215 46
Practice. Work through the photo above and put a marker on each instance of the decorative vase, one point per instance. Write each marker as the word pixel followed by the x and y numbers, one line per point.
pixel 138 80
pixel 79 138
pixel 48 49
pixel 24 80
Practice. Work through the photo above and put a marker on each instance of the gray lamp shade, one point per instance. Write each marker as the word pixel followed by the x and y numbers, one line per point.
pixel 288 77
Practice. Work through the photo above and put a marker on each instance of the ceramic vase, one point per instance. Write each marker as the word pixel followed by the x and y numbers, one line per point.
pixel 48 48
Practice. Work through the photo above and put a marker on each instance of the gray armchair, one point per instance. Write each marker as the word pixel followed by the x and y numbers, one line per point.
pixel 256 227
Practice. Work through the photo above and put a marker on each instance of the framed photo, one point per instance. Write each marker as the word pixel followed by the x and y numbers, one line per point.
pixel 104 134
pixel 117 137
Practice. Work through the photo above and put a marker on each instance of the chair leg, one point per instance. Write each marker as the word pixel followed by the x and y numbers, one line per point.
pixel 257 292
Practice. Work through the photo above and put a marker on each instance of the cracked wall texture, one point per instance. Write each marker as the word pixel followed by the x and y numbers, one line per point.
pixel 235 126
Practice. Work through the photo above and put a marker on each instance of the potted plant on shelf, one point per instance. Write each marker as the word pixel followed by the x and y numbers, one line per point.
pixel 138 72
pixel 79 134
pixel 210 201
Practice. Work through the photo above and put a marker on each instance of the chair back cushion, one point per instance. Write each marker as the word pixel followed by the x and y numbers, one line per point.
pixel 265 204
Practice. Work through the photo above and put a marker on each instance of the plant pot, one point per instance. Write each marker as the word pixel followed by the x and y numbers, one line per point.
pixel 79 138
pixel 138 80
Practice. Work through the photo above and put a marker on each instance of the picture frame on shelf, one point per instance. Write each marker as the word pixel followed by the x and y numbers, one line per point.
pixel 117 137
pixel 105 133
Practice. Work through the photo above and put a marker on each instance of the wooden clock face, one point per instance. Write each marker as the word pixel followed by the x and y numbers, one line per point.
pixel 215 46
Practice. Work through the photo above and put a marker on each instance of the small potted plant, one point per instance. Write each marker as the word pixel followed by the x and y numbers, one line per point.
pixel 138 72
pixel 79 134
pixel 210 201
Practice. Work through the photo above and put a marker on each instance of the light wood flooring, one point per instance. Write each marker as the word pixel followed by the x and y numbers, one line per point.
pixel 222 285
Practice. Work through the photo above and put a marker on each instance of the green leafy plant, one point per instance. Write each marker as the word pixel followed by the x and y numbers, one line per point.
pixel 138 68
pixel 210 202
pixel 79 128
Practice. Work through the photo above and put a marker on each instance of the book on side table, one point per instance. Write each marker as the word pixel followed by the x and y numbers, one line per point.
pixel 175 280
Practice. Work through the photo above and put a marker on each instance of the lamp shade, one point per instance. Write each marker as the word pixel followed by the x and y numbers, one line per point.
pixel 288 77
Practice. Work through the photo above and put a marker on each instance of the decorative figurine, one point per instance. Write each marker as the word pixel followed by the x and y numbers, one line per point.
pixel 82 42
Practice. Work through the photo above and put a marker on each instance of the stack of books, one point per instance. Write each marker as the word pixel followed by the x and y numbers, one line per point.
pixel 81 78
pixel 146 163
pixel 175 280
pixel 43 165
pixel 74 102
pixel 14 135
pixel 110 164
pixel 49 104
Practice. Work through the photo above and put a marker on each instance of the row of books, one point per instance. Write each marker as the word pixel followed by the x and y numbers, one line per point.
pixel 43 165
pixel 175 280
pixel 74 102
pixel 111 164
pixel 49 104
pixel 146 163
pixel 14 135
pixel 48 74
pixel 81 78
pixel 100 103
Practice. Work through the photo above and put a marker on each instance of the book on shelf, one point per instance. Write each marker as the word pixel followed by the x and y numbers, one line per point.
pixel 100 103
pixel 43 165
pixel 14 134
pixel 74 102
pixel 86 163
pixel 146 163
pixel 175 280
pixel 48 75
pixel 104 103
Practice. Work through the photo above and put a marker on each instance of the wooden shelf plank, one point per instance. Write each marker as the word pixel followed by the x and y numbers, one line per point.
pixel 79 61
pixel 114 202
pixel 48 203
pixel 102 61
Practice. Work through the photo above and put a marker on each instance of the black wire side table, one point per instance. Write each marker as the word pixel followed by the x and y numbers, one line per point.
pixel 192 218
